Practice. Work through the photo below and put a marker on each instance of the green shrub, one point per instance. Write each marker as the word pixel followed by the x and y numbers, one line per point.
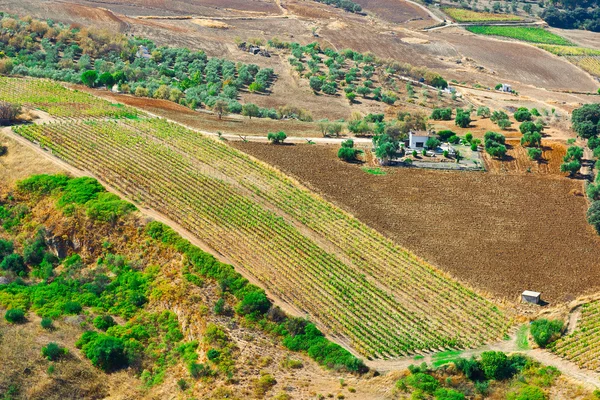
pixel 494 144
pixel 46 323
pixel 422 381
pixel 471 368
pixel 72 307
pixel 534 153
pixel 448 394
pixel 103 322
pixel 527 392
pixel 444 135
pixel 213 354
pixel 15 316
pixel 53 351
pixel 463 118
pixel 441 114
pixel 199 370
pixel 522 114
pixel 264 384
pixel 545 331
pixel 15 263
pixel 6 248
pixel 108 207
pixel 33 253
pixel 347 154
pixel 496 365
pixel 182 384
pixel 219 307
pixel 43 184
pixel 254 302
pixel 276 138
pixel 104 351
pixel 432 143
pixel 80 191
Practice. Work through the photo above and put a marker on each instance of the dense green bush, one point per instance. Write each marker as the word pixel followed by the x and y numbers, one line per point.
pixel 593 215
pixel 15 316
pixel 444 135
pixel 527 392
pixel 441 114
pixel 494 144
pixel 522 114
pixel 104 351
pixel 103 322
pixel 545 331
pixel 6 248
pixel 276 138
pixel 586 120
pixel 198 370
pixel 53 351
pixel 254 302
pixel 463 118
pixel 46 323
pixel 15 263
pixel 72 307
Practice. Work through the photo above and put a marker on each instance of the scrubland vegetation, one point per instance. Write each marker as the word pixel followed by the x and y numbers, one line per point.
pixel 111 295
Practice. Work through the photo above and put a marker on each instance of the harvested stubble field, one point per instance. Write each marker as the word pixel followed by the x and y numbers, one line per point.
pixel 500 233
pixel 517 161
pixel 396 11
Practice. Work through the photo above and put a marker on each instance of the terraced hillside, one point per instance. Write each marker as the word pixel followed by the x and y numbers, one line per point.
pixel 360 287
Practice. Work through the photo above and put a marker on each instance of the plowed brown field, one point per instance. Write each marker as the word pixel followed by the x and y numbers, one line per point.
pixel 501 233
pixel 517 161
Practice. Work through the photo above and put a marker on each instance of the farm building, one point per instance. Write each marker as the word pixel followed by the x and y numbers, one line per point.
pixel 531 297
pixel 506 88
pixel 417 139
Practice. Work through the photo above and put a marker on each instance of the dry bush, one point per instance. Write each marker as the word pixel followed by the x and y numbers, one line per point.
pixel 8 112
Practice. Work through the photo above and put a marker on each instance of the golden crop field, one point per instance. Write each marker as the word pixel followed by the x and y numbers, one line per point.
pixel 463 15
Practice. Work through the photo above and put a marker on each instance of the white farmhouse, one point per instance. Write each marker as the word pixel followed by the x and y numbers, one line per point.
pixel 417 139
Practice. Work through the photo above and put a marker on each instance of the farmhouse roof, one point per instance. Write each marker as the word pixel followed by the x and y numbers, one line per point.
pixel 423 134
pixel 531 293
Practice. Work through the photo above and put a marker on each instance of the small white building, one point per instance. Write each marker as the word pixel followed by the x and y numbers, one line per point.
pixel 417 139
pixel 529 296
pixel 506 88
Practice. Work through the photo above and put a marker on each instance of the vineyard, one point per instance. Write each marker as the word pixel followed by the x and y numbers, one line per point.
pixel 583 345
pixel 359 286
pixel 58 101
pixel 463 15
pixel 569 50
pixel 590 64
pixel 526 34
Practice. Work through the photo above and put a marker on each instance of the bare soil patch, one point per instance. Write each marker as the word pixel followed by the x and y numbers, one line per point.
pixel 518 62
pixel 502 233
pixel 20 161
pixel 395 11
pixel 517 161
